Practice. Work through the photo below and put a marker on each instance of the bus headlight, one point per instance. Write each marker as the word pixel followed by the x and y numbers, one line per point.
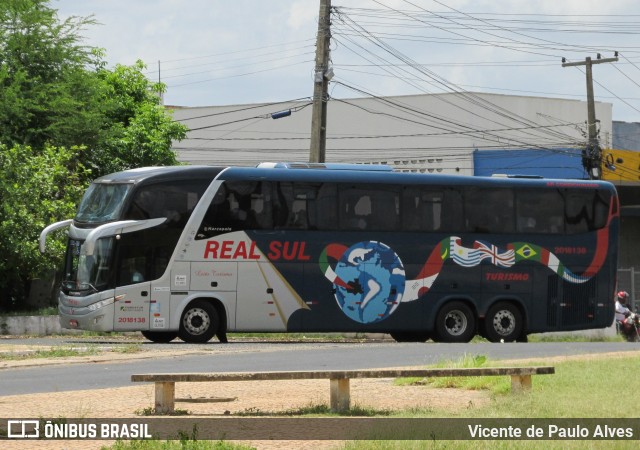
pixel 101 304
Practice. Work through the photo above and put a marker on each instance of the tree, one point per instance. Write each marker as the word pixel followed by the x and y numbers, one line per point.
pixel 64 119
pixel 36 189
pixel 48 87
pixel 140 131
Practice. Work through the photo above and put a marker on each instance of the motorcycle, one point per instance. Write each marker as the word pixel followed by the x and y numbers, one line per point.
pixel 630 327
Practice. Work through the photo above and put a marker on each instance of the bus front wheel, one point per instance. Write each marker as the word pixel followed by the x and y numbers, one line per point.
pixel 199 322
pixel 455 323
pixel 160 337
pixel 503 323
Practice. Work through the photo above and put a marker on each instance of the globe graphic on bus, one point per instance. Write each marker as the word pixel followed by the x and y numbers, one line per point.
pixel 375 277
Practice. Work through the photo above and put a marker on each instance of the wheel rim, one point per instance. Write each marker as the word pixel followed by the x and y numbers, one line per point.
pixel 196 321
pixel 455 322
pixel 504 322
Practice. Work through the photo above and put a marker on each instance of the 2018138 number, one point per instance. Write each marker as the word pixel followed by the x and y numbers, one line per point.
pixel 132 320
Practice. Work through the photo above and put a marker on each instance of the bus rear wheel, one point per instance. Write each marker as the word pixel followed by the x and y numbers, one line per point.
pixel 503 323
pixel 455 323
pixel 160 337
pixel 416 336
pixel 199 322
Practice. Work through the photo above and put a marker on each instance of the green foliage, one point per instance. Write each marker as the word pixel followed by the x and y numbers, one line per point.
pixel 141 131
pixel 36 189
pixel 56 98
pixel 46 89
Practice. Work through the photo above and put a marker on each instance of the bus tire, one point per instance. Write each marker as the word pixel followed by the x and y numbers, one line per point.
pixel 455 323
pixel 160 337
pixel 416 336
pixel 503 323
pixel 199 322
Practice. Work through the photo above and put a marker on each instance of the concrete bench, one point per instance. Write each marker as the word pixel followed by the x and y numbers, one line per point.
pixel 338 380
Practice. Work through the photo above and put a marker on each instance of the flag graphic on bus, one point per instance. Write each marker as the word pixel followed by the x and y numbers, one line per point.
pixel 370 282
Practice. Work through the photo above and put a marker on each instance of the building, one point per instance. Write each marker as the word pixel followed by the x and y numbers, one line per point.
pixel 426 133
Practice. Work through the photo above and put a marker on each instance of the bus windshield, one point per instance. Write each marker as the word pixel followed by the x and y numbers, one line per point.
pixel 102 202
pixel 87 273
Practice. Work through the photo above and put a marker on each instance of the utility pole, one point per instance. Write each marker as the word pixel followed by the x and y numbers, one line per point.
pixel 592 155
pixel 321 79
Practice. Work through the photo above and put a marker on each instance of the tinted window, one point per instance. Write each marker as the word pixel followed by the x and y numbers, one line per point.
pixel 539 211
pixel 144 255
pixel 369 208
pixel 429 209
pixel 489 210
pixel 175 201
pixel 239 205
pixel 586 210
pixel 296 206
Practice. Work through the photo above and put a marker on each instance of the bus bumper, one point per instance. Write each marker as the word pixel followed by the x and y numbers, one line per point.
pixel 99 318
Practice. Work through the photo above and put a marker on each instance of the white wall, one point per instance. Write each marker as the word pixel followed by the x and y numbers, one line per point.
pixel 429 133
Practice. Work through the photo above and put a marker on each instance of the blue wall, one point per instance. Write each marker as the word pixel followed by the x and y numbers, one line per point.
pixel 553 163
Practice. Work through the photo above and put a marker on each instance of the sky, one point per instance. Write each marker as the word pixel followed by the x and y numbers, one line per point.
pixel 232 52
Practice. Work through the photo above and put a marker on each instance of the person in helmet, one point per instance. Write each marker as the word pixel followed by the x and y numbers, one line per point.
pixel 622 310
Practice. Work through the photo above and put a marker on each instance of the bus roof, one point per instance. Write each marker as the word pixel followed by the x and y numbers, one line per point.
pixel 326 166
pixel 160 173
pixel 385 177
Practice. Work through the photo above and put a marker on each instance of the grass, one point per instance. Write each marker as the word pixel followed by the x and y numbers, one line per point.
pixel 583 388
pixel 316 410
pixel 176 445
pixel 151 411
pixel 52 352
pixel 68 352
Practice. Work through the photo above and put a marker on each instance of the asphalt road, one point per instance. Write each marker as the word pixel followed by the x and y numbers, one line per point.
pixel 253 356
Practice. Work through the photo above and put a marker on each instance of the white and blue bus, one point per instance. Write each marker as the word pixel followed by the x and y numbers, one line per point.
pixel 195 251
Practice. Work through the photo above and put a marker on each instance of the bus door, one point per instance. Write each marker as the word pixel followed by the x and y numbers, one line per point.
pixel 133 285
pixel 132 307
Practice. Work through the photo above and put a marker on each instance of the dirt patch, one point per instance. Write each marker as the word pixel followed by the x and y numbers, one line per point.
pixel 239 397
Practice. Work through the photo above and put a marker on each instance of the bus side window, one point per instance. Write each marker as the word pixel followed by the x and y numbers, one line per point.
pixel 482 218
pixel 452 210
pixel 601 202
pixel 327 207
pixel 303 212
pixel 422 209
pixel 176 201
pixel 355 208
pixel 250 205
pixel 367 208
pixel 578 210
pixel 539 211
pixel 295 206
pixel 586 210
